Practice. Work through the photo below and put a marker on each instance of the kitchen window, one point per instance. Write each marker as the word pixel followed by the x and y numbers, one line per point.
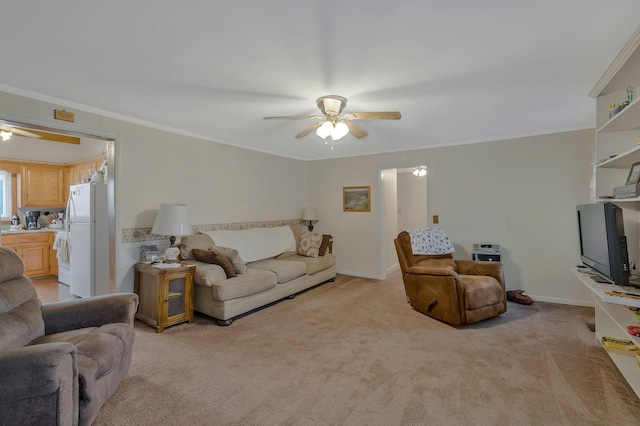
pixel 5 195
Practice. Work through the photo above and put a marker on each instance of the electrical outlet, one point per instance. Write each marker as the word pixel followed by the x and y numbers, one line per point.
pixel 436 218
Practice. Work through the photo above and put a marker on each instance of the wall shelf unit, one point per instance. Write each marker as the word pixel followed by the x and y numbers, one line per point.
pixel 612 320
pixel 617 141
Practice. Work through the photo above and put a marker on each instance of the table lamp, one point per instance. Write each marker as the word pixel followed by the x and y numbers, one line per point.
pixel 172 219
pixel 310 214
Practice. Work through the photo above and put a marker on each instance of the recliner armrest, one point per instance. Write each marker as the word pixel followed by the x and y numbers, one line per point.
pixel 31 373
pixel 475 267
pixel 90 312
pixel 421 270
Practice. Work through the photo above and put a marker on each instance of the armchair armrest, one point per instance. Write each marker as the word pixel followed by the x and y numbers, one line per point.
pixel 422 270
pixel 475 267
pixel 29 374
pixel 90 312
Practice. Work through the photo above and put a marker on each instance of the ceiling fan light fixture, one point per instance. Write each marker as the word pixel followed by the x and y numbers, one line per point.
pixel 5 135
pixel 341 129
pixel 420 171
pixel 325 129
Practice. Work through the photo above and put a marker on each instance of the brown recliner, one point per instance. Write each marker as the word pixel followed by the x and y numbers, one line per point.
pixel 453 291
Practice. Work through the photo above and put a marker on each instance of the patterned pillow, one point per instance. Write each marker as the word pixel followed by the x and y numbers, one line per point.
pixel 309 244
pixel 210 256
pixel 430 241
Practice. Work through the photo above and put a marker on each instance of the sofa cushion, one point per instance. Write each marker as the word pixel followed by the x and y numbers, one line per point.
pixel 99 351
pixel 210 256
pixel 313 264
pixel 253 281
pixel 285 270
pixel 189 242
pixel 310 244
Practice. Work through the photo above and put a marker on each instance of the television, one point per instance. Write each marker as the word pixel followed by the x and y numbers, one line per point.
pixel 603 244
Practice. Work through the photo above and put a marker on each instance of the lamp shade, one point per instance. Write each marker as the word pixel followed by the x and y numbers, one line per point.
pixel 325 129
pixel 310 214
pixel 341 129
pixel 172 219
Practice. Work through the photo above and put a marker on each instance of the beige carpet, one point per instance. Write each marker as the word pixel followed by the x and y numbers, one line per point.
pixel 353 352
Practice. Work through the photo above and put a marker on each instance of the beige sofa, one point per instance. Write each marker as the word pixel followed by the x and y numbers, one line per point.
pixel 267 264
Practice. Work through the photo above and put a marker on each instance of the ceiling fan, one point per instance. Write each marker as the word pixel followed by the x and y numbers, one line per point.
pixel 333 123
pixel 7 131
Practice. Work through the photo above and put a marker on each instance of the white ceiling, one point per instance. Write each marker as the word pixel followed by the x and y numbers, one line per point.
pixel 459 72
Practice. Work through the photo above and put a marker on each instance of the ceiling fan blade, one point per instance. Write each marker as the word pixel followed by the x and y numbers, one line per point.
pixel 308 130
pixel 380 115
pixel 19 132
pixel 294 116
pixel 355 130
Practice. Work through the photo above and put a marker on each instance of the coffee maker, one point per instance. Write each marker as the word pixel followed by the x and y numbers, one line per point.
pixel 31 219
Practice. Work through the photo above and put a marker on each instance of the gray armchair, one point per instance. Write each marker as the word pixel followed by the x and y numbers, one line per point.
pixel 59 362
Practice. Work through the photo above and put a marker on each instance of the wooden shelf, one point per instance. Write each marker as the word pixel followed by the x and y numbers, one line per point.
pixel 627 119
pixel 623 160
pixel 612 320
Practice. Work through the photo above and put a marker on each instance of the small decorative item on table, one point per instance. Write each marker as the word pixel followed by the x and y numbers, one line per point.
pixel 614 109
pixel 630 93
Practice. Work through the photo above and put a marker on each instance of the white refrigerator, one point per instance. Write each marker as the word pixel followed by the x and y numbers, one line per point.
pixel 88 238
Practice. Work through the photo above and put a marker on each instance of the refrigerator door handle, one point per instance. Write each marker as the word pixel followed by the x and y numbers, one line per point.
pixel 67 222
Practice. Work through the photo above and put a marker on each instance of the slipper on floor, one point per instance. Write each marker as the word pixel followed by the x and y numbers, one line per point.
pixel 518 296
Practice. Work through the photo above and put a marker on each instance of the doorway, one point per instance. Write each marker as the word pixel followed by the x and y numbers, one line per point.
pixel 34 150
pixel 403 205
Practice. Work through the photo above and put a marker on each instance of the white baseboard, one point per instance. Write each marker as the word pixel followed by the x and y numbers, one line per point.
pixel 358 274
pixel 572 302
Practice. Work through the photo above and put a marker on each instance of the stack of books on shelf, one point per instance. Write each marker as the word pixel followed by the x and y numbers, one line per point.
pixel 619 346
pixel 626 297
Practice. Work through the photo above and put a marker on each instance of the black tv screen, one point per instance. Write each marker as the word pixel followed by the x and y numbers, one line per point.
pixel 603 244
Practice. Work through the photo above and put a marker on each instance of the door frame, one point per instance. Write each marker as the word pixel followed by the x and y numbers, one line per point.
pixel 111 151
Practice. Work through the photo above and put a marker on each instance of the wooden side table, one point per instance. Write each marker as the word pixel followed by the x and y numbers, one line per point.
pixel 166 295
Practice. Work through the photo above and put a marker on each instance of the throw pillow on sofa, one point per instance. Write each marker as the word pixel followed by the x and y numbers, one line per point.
pixel 309 244
pixel 210 256
pixel 326 238
pixel 234 257
pixel 190 242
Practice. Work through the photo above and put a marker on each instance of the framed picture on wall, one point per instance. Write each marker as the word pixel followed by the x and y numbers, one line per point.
pixel 356 198
pixel 634 174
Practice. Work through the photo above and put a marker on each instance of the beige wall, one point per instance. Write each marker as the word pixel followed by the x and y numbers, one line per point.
pixel 390 192
pixel 520 193
pixel 219 183
pixel 412 201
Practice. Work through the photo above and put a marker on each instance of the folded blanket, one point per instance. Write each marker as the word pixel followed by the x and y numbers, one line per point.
pixel 430 241
pixel 61 244
pixel 256 243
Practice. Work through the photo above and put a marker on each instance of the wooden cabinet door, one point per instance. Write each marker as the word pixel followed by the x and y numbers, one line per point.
pixel 42 185
pixel 9 241
pixel 36 258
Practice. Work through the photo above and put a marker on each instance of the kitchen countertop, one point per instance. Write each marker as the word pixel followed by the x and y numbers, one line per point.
pixel 30 231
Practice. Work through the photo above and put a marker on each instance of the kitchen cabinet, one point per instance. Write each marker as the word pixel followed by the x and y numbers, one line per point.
pixel 35 250
pixel 79 172
pixel 41 185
